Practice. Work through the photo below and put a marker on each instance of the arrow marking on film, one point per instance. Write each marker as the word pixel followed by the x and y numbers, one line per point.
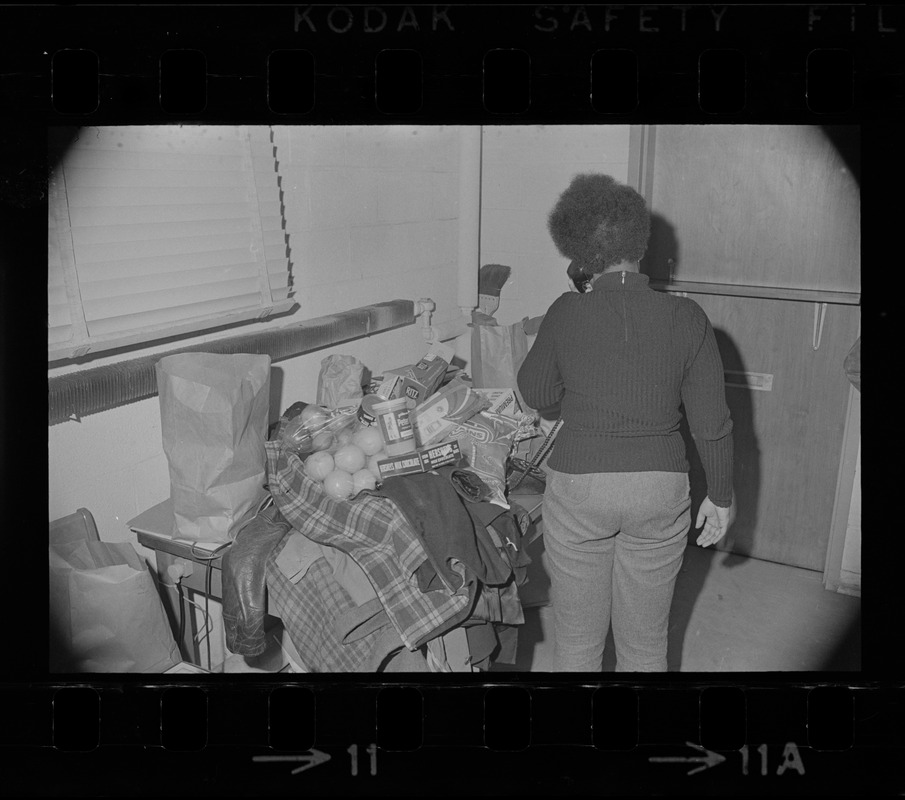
pixel 313 757
pixel 711 759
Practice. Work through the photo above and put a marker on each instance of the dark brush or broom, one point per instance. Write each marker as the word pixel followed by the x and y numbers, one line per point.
pixel 491 278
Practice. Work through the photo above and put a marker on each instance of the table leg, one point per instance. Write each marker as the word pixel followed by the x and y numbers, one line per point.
pixel 170 596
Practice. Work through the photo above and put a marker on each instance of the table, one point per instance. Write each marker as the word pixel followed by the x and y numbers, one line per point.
pixel 154 529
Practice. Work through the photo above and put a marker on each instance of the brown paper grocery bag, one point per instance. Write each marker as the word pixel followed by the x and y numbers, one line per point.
pixel 213 415
pixel 497 353
pixel 105 612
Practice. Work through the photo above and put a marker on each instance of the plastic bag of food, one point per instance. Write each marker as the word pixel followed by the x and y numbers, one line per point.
pixel 317 428
pixel 339 383
pixel 486 440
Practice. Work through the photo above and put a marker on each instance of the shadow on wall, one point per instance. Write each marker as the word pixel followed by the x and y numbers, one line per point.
pixel 747 478
pixel 663 249
pixel 746 460
pixel 746 483
pixel 276 395
pixel 662 261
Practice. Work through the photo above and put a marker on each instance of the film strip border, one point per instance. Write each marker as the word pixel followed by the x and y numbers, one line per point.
pixel 462 63
pixel 491 739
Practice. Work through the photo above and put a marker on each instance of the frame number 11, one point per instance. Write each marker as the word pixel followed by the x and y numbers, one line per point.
pixel 352 750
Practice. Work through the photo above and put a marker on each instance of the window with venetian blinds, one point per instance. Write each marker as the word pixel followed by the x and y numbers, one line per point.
pixel 160 231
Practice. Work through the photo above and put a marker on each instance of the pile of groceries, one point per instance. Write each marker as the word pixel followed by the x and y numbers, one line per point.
pixel 416 418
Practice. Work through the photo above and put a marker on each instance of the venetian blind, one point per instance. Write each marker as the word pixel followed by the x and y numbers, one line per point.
pixel 157 231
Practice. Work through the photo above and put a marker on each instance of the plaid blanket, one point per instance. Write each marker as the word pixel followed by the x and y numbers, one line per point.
pixel 372 531
pixel 309 610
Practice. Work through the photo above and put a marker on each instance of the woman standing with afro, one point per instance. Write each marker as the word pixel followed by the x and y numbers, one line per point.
pixel 616 362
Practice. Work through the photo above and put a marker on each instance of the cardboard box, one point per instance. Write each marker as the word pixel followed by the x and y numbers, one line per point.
pixel 423 460
pixel 424 378
pixel 502 401
pixel 390 386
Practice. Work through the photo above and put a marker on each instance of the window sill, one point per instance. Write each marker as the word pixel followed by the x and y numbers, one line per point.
pixel 149 336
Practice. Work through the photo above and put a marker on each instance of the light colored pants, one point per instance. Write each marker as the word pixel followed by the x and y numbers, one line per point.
pixel 614 542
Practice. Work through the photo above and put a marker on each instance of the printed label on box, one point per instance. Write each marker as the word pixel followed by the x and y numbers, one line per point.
pixel 423 460
pixel 502 401
pixel 432 420
pixel 390 388
pixel 424 377
pixel 441 454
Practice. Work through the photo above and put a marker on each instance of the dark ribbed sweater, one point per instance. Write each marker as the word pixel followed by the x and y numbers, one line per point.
pixel 617 364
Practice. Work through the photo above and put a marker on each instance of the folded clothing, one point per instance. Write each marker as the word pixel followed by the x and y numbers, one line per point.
pixel 491 643
pixel 470 486
pixel 299 552
pixel 437 514
pixel 373 531
pixel 318 614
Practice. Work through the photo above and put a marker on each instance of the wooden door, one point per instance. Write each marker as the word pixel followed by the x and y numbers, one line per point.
pixel 774 207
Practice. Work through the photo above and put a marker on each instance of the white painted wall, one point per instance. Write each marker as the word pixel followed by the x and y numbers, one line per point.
pixel 525 169
pixel 372 215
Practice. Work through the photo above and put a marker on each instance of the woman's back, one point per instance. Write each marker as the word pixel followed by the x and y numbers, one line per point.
pixel 620 360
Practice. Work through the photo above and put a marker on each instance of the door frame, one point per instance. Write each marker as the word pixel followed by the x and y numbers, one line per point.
pixel 845 488
pixel 641 147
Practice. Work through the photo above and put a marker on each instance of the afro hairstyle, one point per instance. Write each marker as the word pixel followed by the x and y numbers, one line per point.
pixel 599 222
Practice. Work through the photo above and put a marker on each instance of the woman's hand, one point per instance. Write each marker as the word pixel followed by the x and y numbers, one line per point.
pixel 716 521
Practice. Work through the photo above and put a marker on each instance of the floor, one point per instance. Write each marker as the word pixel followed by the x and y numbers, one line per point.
pixel 734 614
pixel 730 614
